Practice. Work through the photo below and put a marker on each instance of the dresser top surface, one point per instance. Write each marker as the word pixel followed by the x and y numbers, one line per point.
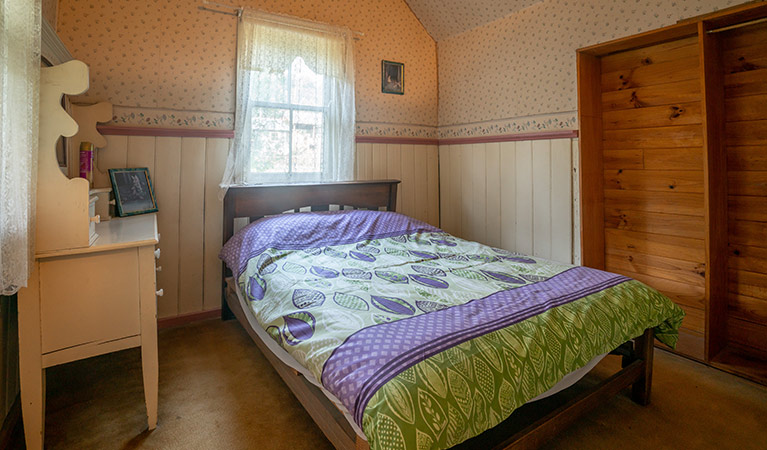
pixel 122 232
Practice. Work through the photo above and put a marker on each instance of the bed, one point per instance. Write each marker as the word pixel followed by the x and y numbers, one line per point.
pixel 394 334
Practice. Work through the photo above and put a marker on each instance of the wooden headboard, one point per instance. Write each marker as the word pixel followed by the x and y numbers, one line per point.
pixel 255 202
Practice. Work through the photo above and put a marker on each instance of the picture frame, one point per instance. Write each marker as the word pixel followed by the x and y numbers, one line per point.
pixel 392 77
pixel 133 191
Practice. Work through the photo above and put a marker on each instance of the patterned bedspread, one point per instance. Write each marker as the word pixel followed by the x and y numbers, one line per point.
pixel 428 339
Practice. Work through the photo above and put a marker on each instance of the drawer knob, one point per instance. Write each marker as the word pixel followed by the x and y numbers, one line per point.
pixel 157 254
pixel 158 269
pixel 96 219
pixel 160 293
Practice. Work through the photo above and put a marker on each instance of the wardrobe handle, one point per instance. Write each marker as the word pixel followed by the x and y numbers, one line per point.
pixel 157 254
pixel 160 293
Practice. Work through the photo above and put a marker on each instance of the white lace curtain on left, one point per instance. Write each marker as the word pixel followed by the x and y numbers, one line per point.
pixel 19 109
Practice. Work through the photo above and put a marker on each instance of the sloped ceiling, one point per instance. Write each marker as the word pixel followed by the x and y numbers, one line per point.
pixel 446 18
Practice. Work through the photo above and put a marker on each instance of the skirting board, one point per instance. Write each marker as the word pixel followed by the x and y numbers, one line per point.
pixel 177 321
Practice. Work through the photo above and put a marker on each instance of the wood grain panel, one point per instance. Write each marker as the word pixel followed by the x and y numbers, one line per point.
pixel 493 192
pixel 747 182
pixel 394 167
pixel 653 54
pixel 524 200
pixel 652 74
pixel 657 223
pixel 668 202
pixel 747 158
pixel 747 233
pixel 167 190
pixel 751 107
pixel 745 83
pixel 379 161
pixel 744 36
pixel 658 266
pixel 655 180
pixel 748 308
pixel 752 132
pixel 478 220
pixel 686 249
pixel 694 319
pixel 446 188
pixel 747 333
pixel 655 116
pixel 748 208
pixel 456 193
pixel 747 283
pixel 561 201
pixel 681 293
pixel 746 257
pixel 542 178
pixel 364 161
pixel 215 161
pixel 744 59
pixel 660 137
pixel 113 156
pixel 623 159
pixel 659 95
pixel 191 229
pixel 508 166
pixel 673 159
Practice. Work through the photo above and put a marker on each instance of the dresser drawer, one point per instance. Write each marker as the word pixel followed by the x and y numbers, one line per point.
pixel 87 299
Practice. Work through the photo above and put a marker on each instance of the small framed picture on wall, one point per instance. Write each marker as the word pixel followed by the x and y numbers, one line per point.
pixel 392 77
pixel 133 191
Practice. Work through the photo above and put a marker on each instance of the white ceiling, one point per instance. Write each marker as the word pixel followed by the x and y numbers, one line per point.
pixel 446 18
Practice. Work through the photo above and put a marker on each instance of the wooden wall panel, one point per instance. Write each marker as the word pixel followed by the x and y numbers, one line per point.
pixel 215 162
pixel 191 225
pixel 513 195
pixel 113 156
pixel 432 189
pixel 168 191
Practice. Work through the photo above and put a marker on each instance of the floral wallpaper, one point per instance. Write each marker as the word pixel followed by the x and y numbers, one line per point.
pixel 446 18
pixel 167 63
pixel 510 72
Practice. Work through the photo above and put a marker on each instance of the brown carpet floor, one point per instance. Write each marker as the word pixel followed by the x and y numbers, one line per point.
pixel 218 392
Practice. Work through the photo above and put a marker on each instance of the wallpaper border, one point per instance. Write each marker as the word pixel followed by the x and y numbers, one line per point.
pixel 546 122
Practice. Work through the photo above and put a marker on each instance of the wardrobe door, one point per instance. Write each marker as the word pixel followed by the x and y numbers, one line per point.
pixel 652 143
pixel 744 62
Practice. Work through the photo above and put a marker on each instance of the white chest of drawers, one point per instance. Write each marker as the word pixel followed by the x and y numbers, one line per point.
pixel 85 302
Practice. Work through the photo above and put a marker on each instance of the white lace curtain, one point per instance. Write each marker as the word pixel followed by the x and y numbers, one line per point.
pixel 310 66
pixel 19 105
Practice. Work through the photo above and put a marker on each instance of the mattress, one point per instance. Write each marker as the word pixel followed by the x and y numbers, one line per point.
pixel 250 321
pixel 424 339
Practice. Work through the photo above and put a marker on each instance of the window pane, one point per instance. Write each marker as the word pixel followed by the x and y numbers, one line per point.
pixel 307 87
pixel 307 141
pixel 270 141
pixel 270 87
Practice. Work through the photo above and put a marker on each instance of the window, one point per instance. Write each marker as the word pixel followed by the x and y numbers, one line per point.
pixel 288 119
pixel 294 118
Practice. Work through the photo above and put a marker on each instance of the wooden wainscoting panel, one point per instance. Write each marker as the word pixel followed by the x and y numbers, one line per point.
pixel 216 150
pixel 379 161
pixel 542 199
pixel 561 206
pixel 191 225
pixel 406 189
pixel 433 191
pixel 524 202
pixel 477 219
pixel 456 191
pixel 576 193
pixel 113 156
pixel 167 189
pixel 394 168
pixel 467 191
pixel 446 188
pixel 141 153
pixel 421 184
pixel 508 170
pixel 492 175
pixel 364 161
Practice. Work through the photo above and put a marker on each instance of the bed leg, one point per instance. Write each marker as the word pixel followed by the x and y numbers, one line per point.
pixel 643 349
pixel 226 311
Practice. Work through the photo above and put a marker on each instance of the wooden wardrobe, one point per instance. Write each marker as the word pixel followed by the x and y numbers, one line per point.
pixel 673 139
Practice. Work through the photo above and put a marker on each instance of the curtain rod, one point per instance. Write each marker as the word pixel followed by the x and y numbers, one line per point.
pixel 239 10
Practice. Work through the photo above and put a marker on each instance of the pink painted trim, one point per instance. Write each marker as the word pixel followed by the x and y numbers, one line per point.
pixel 563 134
pixel 164 132
pixel 395 140
pixel 177 321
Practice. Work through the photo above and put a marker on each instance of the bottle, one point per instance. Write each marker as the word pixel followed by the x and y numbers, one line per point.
pixel 86 161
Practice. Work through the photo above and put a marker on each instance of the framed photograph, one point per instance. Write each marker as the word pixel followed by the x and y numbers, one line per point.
pixel 392 77
pixel 133 191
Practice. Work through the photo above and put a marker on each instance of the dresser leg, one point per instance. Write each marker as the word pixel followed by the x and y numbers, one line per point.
pixel 31 372
pixel 149 363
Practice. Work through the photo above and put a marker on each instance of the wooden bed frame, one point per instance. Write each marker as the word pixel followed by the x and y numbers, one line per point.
pixel 254 202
